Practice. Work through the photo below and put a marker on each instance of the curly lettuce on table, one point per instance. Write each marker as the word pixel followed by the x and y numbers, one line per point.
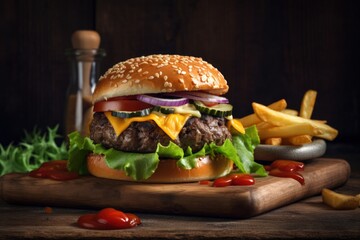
pixel 34 149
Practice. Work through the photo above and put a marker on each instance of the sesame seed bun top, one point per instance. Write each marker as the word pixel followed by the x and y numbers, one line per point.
pixel 158 74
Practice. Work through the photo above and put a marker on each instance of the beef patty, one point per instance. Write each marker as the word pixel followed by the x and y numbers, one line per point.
pixel 144 136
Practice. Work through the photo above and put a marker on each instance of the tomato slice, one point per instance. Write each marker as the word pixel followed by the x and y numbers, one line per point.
pixel 120 104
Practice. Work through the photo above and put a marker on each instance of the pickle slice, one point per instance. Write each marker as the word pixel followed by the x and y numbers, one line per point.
pixel 130 114
pixel 165 110
pixel 218 110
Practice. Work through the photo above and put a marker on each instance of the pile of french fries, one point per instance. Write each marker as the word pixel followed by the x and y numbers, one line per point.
pixel 278 125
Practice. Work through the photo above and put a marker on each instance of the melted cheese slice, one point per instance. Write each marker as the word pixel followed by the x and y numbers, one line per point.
pixel 171 124
pixel 235 124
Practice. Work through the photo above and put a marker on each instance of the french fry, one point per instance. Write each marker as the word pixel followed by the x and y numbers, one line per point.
pixel 307 104
pixel 320 121
pixel 306 109
pixel 289 131
pixel 273 141
pixel 252 119
pixel 263 125
pixel 298 140
pixel 281 119
pixel 292 112
pixel 339 201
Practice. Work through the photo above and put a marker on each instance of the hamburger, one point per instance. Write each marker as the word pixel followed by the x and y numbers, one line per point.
pixel 161 118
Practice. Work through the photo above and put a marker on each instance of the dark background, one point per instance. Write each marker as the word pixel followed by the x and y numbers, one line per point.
pixel 267 50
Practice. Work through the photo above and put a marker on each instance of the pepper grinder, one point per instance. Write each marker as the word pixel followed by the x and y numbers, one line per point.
pixel 84 59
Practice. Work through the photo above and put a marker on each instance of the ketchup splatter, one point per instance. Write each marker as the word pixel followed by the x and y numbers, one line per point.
pixel 234 179
pixel 107 219
pixel 222 182
pixel 56 170
pixel 204 182
pixel 287 169
pixel 242 179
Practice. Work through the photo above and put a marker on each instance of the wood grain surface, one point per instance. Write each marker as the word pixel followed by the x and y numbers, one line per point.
pixel 183 199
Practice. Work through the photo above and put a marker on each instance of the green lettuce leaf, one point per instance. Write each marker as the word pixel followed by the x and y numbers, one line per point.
pixel 138 166
pixel 141 166
pixel 245 145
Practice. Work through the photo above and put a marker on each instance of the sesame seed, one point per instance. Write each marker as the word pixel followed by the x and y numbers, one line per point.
pixel 157 75
pixel 165 77
pixel 140 69
pixel 137 81
pixel 167 84
pixel 211 80
pixel 151 77
pixel 124 81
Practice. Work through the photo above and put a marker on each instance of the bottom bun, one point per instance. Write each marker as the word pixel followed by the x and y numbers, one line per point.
pixel 167 170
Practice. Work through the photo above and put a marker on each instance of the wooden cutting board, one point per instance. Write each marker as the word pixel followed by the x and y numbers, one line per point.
pixel 186 199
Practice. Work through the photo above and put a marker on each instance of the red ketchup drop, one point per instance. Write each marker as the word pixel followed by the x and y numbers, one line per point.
pixel 241 179
pixel 287 169
pixel 56 170
pixel 234 179
pixel 108 219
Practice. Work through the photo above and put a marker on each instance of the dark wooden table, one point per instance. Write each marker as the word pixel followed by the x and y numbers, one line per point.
pixel 306 219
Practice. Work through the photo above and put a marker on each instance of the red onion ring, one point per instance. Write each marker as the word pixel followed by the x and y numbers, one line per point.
pixel 201 96
pixel 159 101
